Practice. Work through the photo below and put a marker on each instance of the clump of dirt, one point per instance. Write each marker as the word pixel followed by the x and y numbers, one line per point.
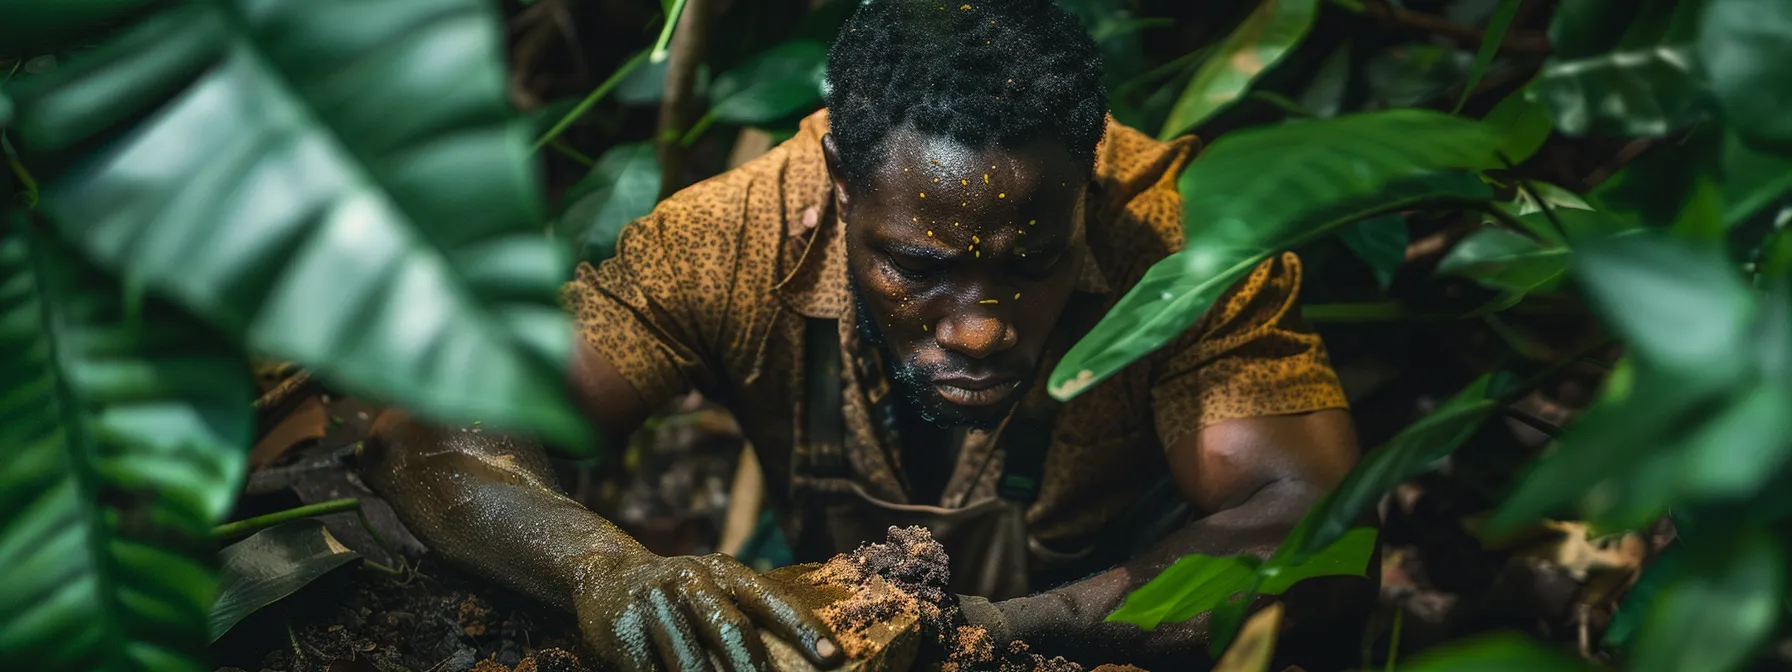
pixel 908 574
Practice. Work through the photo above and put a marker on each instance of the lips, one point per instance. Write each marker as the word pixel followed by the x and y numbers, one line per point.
pixel 975 391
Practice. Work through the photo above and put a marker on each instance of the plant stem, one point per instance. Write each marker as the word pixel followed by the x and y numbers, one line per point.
pixel 672 17
pixel 258 523
pixel 688 48
pixel 1394 637
pixel 576 155
pixel 591 99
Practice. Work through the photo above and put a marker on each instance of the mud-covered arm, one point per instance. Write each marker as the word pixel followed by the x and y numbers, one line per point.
pixel 1257 476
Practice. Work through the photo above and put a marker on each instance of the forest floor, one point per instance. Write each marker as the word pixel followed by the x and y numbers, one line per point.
pixel 670 487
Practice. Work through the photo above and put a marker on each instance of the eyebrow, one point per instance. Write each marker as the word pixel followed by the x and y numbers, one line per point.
pixel 931 252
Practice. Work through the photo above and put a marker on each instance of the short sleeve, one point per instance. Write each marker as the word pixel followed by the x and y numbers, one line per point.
pixel 1251 355
pixel 654 309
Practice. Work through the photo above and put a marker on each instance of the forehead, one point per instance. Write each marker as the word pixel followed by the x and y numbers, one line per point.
pixel 933 176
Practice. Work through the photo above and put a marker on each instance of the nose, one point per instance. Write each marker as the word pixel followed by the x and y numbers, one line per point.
pixel 974 335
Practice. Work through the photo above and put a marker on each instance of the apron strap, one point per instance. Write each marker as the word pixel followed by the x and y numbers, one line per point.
pixel 823 419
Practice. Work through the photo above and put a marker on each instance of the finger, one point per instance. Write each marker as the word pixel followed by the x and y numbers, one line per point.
pixel 672 634
pixel 624 642
pixel 786 617
pixel 727 631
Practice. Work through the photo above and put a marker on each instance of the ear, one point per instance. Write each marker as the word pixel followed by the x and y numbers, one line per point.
pixel 831 151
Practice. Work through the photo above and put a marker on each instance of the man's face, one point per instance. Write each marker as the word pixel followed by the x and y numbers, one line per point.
pixel 961 261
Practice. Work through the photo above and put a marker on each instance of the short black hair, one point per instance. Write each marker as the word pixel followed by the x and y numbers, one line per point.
pixel 983 73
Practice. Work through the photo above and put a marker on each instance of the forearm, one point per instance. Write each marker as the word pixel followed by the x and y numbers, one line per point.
pixel 1069 621
pixel 489 504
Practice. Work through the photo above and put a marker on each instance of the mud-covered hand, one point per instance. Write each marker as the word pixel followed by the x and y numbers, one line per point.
pixel 695 613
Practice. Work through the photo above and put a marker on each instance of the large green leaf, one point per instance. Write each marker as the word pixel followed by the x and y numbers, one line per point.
pixel 126 433
pixel 622 187
pixel 1505 259
pixel 1713 618
pixel 1747 57
pixel 1524 124
pixel 270 565
pixel 1261 190
pixel 1751 180
pixel 339 183
pixel 1380 242
pixel 36 26
pixel 1346 556
pixel 1500 652
pixel 1408 454
pixel 1272 30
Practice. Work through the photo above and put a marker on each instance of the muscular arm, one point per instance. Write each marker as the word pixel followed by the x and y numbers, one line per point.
pixel 488 503
pixel 1256 476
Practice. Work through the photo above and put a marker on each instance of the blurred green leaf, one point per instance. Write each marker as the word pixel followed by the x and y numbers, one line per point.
pixel 1499 652
pixel 1227 618
pixel 1413 75
pixel 1491 40
pixel 1324 93
pixel 1191 585
pixel 1744 48
pixel 622 187
pixel 1261 190
pixel 28 26
pixel 126 435
pixel 1670 186
pixel 270 565
pixel 1623 67
pixel 1681 306
pixel 1408 454
pixel 342 185
pixel 1751 180
pixel 1505 259
pixel 1524 125
pixel 1116 33
pixel 771 85
pixel 1272 30
pixel 1380 242
pixel 1640 598
pixel 1713 618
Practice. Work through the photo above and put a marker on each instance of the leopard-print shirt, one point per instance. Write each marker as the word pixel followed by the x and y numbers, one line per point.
pixel 711 290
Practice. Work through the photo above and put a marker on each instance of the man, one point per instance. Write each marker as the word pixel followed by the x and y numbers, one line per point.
pixel 879 300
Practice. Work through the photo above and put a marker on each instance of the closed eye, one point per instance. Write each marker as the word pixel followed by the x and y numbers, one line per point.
pixel 913 268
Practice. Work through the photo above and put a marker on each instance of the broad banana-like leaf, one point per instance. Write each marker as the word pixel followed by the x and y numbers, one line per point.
pixel 1272 30
pixel 125 430
pixel 1624 67
pixel 1261 190
pixel 339 183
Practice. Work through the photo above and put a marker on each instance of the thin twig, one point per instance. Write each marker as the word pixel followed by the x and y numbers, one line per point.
pixel 1546 427
pixel 1626 154
pixel 1517 42
pixel 591 99
pixel 285 390
pixel 689 44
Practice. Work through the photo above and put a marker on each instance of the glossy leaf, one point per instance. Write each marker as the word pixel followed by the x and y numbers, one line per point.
pixel 1674 186
pixel 1523 124
pixel 1500 652
pixel 270 565
pixel 1193 584
pixel 1680 306
pixel 1380 242
pixel 1661 571
pixel 1747 57
pixel 37 26
pixel 772 85
pixel 1623 68
pixel 1347 556
pixel 1272 30
pixel 622 187
pixel 1408 454
pixel 341 184
pixel 1227 619
pixel 1414 75
pixel 1490 45
pixel 1714 617
pixel 1504 259
pixel 1261 190
pixel 126 436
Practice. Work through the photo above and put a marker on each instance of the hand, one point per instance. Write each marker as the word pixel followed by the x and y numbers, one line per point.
pixel 696 613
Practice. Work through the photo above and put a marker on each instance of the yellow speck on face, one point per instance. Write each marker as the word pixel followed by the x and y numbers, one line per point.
pixel 963 7
pixel 923 194
pixel 964 204
pixel 905 170
pixel 930 234
pixel 986 178
pixel 988 301
pixel 970 248
pixel 977 254
pixel 965 183
pixel 936 180
pixel 1017 295
pixel 975 239
pixel 923 327
pixel 935 161
pixel 917 220
pixel 1031 222
pixel 1002 195
pixel 955 223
